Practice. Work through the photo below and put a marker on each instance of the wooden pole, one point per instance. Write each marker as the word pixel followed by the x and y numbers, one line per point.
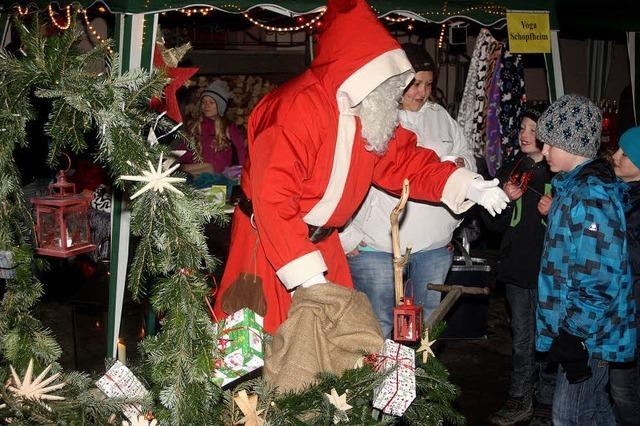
pixel 399 261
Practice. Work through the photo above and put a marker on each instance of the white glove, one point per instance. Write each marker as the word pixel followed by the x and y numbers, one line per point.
pixel 488 195
pixel 316 279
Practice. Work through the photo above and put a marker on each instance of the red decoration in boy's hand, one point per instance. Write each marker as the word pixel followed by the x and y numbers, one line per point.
pixel 521 179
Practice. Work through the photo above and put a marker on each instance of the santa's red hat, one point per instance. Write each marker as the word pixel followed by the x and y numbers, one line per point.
pixel 355 51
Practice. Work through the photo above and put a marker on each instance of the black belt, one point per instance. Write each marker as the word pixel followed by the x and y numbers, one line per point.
pixel 316 233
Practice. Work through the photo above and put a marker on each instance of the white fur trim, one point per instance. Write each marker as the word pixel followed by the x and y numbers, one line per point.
pixel 301 269
pixel 321 212
pixel 352 91
pixel 366 79
pixel 455 190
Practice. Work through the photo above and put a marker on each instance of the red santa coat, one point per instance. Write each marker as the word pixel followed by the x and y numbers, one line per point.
pixel 308 163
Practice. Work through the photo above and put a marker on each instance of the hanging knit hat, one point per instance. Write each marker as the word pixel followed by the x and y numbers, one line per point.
pixel 630 144
pixel 572 123
pixel 219 92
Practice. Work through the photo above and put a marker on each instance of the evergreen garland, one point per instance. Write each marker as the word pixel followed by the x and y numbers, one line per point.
pixel 114 107
pixel 171 253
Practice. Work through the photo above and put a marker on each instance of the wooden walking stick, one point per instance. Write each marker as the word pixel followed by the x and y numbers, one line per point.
pixel 399 261
pixel 407 317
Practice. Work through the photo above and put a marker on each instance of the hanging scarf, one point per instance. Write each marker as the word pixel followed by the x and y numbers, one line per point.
pixel 512 104
pixel 470 115
pixel 493 148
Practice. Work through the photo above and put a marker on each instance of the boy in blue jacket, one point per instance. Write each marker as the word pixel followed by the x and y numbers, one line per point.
pixel 585 301
pixel 624 379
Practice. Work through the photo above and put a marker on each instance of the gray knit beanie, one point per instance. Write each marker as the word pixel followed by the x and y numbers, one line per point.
pixel 219 91
pixel 572 123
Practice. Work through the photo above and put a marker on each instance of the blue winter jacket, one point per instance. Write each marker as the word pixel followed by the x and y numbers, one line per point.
pixel 585 284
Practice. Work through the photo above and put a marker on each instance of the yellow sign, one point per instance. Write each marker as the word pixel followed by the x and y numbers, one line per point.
pixel 529 32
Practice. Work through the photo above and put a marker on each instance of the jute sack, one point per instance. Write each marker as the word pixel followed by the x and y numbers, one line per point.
pixel 327 330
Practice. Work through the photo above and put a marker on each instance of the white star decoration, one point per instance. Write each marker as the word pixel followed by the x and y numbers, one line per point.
pixel 248 404
pixel 340 402
pixel 156 179
pixel 425 347
pixel 141 420
pixel 38 389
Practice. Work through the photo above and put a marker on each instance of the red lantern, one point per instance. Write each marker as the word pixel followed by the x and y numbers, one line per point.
pixel 407 321
pixel 62 224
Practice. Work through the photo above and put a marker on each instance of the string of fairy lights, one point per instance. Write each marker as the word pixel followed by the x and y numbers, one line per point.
pixel 442 27
pixel 315 21
pixel 93 31
pixel 54 21
pixel 61 19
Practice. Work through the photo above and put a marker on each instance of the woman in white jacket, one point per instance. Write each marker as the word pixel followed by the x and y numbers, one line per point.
pixel 426 228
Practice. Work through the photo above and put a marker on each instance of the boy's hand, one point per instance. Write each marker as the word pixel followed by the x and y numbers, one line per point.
pixel 544 204
pixel 488 195
pixel 513 191
pixel 572 354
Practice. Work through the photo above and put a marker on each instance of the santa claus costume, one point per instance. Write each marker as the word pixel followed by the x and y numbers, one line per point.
pixel 309 165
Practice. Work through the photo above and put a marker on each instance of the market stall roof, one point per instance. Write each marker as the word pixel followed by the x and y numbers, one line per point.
pixel 482 11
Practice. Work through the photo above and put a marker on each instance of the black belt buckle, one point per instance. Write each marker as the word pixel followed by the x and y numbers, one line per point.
pixel 245 205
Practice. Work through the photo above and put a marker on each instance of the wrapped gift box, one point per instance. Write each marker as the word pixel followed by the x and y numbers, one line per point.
pixel 120 382
pixel 241 345
pixel 398 390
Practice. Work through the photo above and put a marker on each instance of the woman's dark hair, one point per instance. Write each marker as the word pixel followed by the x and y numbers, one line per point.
pixel 419 57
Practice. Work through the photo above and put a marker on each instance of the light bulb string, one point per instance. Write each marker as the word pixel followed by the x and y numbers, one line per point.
pixel 55 23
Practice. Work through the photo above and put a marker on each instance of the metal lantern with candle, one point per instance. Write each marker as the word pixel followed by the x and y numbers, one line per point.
pixel 62 223
pixel 407 321
pixel 407 317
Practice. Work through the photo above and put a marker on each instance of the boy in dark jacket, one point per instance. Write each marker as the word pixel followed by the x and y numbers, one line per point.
pixel 525 181
pixel 585 303
pixel 624 379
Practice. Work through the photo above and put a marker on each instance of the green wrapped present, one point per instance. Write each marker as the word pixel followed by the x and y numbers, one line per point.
pixel 241 344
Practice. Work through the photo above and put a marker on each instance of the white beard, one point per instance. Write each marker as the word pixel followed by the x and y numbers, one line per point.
pixel 379 113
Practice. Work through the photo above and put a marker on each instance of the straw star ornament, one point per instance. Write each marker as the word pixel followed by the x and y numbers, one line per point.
pixel 157 179
pixel 248 404
pixel 141 420
pixel 38 389
pixel 425 347
pixel 340 402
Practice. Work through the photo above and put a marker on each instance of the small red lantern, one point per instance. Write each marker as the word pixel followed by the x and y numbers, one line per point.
pixel 407 321
pixel 62 224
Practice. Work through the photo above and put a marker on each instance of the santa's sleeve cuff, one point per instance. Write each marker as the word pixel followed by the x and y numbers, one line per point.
pixel 301 269
pixel 455 190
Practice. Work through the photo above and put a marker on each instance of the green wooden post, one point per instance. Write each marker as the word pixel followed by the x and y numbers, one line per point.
pixel 5 25
pixel 552 62
pixel 553 66
pixel 135 41
pixel 633 47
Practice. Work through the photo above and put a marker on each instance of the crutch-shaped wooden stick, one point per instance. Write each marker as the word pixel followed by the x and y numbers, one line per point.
pixel 399 261
pixel 453 293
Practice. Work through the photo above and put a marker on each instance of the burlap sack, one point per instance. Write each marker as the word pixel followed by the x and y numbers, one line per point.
pixel 327 329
